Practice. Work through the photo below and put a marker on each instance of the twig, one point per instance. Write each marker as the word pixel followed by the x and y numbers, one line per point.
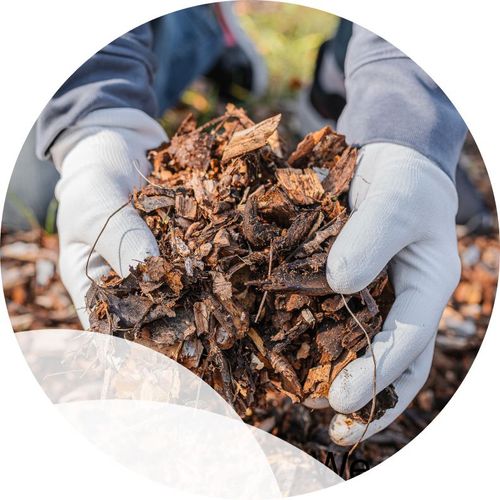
pixel 97 239
pixel 135 164
pixel 245 196
pixel 213 121
pixel 374 386
pixel 261 306
pixel 220 120
pixel 264 296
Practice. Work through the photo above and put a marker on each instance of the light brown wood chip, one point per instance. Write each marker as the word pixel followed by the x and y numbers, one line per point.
pixel 251 138
pixel 302 186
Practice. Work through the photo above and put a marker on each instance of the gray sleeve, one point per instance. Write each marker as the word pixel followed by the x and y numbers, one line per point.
pixel 118 76
pixel 391 99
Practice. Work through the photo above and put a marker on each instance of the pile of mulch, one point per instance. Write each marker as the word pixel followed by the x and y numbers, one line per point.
pixel 35 295
pixel 239 293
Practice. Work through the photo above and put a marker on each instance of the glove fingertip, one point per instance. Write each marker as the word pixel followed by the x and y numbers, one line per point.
pixel 344 430
pixel 316 403
pixel 341 395
pixel 345 275
pixel 127 241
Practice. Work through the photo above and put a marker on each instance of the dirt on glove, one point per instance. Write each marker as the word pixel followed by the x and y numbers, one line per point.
pixel 239 293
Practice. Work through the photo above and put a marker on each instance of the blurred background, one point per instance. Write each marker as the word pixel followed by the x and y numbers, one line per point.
pixel 288 37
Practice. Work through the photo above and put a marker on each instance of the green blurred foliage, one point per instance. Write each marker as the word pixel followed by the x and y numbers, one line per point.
pixel 288 36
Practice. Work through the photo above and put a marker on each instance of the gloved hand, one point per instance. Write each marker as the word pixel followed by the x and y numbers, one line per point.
pixel 404 214
pixel 96 160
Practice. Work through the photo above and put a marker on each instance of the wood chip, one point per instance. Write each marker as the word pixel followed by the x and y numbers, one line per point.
pixel 251 138
pixel 302 186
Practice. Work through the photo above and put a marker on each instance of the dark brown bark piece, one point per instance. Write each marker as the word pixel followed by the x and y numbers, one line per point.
pixel 275 205
pixel 149 204
pixel 129 310
pixel 329 339
pixel 316 148
pixel 298 231
pixel 289 377
pixel 325 235
pixel 258 233
pixel 341 172
pixel 304 276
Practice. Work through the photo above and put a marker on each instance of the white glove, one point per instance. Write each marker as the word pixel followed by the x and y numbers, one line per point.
pixel 96 160
pixel 404 214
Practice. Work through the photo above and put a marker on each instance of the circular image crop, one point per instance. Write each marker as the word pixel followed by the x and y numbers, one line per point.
pixel 280 239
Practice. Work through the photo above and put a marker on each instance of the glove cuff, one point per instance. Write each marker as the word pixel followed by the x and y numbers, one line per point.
pixel 117 120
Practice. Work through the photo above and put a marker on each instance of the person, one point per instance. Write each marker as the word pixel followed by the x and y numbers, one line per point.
pixel 101 122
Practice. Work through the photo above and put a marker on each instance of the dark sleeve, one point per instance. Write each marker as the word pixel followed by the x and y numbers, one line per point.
pixel 391 99
pixel 118 76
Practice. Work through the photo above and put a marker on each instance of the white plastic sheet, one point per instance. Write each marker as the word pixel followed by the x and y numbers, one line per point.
pixel 160 420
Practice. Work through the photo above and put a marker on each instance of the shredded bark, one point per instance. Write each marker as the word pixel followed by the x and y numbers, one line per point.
pixel 239 293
